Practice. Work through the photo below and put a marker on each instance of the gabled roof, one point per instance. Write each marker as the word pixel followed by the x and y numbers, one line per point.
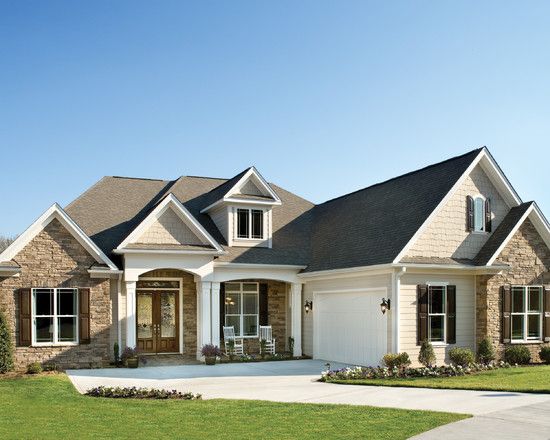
pixel 55 212
pixel 508 227
pixel 230 191
pixel 170 201
pixel 373 225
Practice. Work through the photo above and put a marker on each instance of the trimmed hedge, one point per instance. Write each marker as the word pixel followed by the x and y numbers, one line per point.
pixel 545 354
pixel 461 356
pixel 485 351
pixel 140 393
pixel 517 354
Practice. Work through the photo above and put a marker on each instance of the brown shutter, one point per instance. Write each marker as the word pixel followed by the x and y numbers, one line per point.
pixel 264 314
pixel 222 307
pixel 488 215
pixel 469 214
pixel 422 313
pixel 451 314
pixel 506 330
pixel 25 323
pixel 546 322
pixel 84 315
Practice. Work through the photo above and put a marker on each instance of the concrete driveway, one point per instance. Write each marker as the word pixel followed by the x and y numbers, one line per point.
pixel 296 381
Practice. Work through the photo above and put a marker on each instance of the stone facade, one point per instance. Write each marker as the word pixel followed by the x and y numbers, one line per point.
pixel 54 258
pixel 189 306
pixel 446 236
pixel 529 258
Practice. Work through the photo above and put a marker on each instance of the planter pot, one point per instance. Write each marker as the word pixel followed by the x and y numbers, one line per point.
pixel 210 360
pixel 132 363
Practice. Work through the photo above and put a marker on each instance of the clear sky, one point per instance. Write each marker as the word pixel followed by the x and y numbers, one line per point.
pixel 324 97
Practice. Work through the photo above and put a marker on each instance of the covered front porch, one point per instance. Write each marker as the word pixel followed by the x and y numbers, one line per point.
pixel 174 311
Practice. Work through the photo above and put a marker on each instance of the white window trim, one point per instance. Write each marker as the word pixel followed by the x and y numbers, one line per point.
pixel 482 231
pixel 241 315
pixel 526 339
pixel 249 238
pixel 444 314
pixel 54 317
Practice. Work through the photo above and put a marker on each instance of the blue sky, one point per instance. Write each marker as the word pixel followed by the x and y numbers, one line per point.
pixel 323 97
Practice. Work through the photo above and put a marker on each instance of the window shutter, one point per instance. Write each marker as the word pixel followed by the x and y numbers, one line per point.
pixel 469 213
pixel 84 315
pixel 506 329
pixel 222 307
pixel 546 322
pixel 263 305
pixel 451 314
pixel 488 215
pixel 422 313
pixel 25 317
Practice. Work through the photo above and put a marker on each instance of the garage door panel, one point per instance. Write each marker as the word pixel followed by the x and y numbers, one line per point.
pixel 350 327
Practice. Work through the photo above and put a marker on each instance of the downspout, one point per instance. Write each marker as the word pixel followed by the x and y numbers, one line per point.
pixel 396 278
pixel 119 296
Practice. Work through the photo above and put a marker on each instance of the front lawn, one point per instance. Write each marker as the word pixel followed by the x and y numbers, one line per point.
pixel 49 407
pixel 534 379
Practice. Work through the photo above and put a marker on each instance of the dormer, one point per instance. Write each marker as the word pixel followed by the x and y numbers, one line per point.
pixel 242 208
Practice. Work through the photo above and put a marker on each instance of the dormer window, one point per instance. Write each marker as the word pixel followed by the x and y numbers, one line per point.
pixel 250 224
pixel 478 214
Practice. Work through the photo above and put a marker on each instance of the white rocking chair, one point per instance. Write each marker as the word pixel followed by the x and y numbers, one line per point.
pixel 230 339
pixel 266 335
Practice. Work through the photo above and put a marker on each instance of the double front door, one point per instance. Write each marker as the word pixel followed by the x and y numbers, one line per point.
pixel 157 321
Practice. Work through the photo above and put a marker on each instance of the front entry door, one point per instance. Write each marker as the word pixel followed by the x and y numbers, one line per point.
pixel 157 321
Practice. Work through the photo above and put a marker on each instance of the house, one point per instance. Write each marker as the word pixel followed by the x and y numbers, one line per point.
pixel 450 252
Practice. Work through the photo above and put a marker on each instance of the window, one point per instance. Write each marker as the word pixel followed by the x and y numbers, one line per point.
pixel 479 214
pixel 526 313
pixel 54 316
pixel 437 296
pixel 242 308
pixel 250 224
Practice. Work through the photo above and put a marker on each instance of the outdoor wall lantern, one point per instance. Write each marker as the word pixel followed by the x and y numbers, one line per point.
pixel 385 305
pixel 308 306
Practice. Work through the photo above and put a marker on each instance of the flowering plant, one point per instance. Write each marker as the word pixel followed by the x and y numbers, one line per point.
pixel 210 350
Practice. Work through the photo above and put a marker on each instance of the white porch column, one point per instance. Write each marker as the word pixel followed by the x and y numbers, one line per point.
pixel 296 316
pixel 215 309
pixel 131 340
pixel 204 335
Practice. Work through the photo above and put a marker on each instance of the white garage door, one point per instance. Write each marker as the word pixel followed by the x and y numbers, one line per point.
pixel 350 328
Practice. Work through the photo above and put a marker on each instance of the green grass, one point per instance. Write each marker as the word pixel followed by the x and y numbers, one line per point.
pixel 49 407
pixel 520 379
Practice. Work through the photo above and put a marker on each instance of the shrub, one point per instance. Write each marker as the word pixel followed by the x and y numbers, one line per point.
pixel 291 345
pixel 485 351
pixel 517 354
pixel 140 393
pixel 6 346
pixel 396 360
pixel 34 368
pixel 461 356
pixel 426 356
pixel 210 350
pixel 545 354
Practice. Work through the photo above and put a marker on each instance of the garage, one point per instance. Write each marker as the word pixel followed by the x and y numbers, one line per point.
pixel 349 327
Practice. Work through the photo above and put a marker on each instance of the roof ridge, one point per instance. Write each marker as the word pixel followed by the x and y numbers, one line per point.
pixel 137 178
pixel 205 177
pixel 403 175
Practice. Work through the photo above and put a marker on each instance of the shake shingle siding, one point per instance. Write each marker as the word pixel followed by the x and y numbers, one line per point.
pixel 373 225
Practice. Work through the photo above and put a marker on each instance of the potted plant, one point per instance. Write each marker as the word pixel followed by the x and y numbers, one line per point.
pixel 130 357
pixel 210 353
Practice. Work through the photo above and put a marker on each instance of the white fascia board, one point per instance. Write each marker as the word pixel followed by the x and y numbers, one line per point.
pixel 539 221
pixel 170 201
pixel 56 212
pixel 252 172
pixel 251 201
pixel 103 273
pixel 230 265
pixel 489 162
pixel 497 177
pixel 169 251
pixel 455 267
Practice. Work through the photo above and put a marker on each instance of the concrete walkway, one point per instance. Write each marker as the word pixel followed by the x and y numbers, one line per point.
pixel 296 381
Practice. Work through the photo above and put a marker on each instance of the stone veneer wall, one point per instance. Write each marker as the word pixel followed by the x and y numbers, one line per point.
pixel 189 306
pixel 446 236
pixel 54 258
pixel 529 258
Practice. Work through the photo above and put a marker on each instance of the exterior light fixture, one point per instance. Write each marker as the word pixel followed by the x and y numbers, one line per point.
pixel 308 306
pixel 385 305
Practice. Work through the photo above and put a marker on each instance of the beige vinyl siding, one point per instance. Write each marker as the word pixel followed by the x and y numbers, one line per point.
pixel 465 313
pixel 340 284
pixel 220 217
pixel 169 228
pixel 446 235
